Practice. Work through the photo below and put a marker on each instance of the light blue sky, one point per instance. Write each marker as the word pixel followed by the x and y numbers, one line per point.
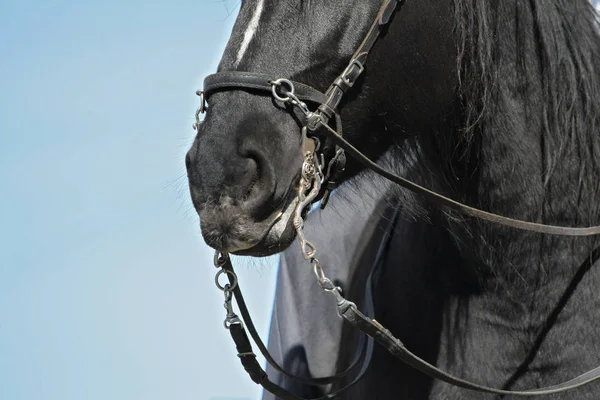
pixel 106 288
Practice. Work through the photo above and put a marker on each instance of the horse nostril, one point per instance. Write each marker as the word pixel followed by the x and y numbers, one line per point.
pixel 259 184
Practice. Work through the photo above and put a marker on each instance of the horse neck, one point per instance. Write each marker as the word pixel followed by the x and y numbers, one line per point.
pixel 536 143
pixel 531 149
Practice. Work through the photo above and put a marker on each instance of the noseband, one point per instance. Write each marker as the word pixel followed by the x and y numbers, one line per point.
pixel 318 178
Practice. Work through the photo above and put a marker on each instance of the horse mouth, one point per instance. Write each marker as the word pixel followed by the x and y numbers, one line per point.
pixel 229 228
pixel 278 236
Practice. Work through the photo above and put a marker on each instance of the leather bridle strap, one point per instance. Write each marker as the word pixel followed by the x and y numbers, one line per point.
pixel 355 67
pixel 248 358
pixel 328 102
pixel 254 81
pixel 319 381
pixel 384 337
pixel 245 348
pixel 393 345
pixel 453 204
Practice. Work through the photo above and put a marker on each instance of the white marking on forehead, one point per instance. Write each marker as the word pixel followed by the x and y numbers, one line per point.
pixel 250 31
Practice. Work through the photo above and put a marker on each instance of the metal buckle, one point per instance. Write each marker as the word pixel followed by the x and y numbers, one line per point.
pixel 345 75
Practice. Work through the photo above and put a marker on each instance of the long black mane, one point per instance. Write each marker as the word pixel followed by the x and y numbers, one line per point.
pixel 526 131
pixel 524 140
pixel 534 65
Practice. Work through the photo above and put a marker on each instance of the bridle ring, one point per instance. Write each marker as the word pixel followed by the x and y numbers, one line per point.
pixel 220 259
pixel 281 82
pixel 202 108
pixel 230 273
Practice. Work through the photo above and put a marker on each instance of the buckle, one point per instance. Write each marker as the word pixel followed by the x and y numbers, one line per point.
pixel 346 75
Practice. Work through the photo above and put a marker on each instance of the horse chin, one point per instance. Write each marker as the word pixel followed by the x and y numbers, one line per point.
pixel 279 236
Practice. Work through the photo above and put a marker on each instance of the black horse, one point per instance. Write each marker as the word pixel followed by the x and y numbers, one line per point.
pixel 493 103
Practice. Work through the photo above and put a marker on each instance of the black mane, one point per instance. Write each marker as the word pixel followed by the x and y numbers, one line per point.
pixel 525 138
pixel 555 93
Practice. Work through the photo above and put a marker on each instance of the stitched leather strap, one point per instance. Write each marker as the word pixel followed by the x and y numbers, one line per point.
pixel 355 67
pixel 393 345
pixel 259 376
pixel 453 204
pixel 396 348
pixel 255 81
pixel 248 358
pixel 319 381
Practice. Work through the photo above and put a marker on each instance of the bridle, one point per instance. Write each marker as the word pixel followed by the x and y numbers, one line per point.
pixel 318 178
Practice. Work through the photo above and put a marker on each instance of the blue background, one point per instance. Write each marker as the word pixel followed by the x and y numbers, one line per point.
pixel 106 287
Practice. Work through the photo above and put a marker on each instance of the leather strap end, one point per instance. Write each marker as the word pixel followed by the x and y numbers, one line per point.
pixel 247 357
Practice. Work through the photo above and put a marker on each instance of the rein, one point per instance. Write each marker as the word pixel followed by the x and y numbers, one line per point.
pixel 319 178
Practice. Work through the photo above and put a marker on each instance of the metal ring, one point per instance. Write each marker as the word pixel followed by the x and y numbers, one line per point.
pixel 199 110
pixel 202 108
pixel 280 82
pixel 230 273
pixel 220 258
pixel 318 270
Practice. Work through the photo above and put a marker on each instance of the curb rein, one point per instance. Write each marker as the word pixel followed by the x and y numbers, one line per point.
pixel 316 175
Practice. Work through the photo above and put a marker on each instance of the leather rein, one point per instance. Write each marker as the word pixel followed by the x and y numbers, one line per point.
pixel 318 179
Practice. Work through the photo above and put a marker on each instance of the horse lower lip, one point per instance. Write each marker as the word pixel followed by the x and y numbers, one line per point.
pixel 267 247
pixel 279 223
pixel 240 247
pixel 273 236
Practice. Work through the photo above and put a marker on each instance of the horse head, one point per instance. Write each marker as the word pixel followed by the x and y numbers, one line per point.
pixel 492 104
pixel 244 165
